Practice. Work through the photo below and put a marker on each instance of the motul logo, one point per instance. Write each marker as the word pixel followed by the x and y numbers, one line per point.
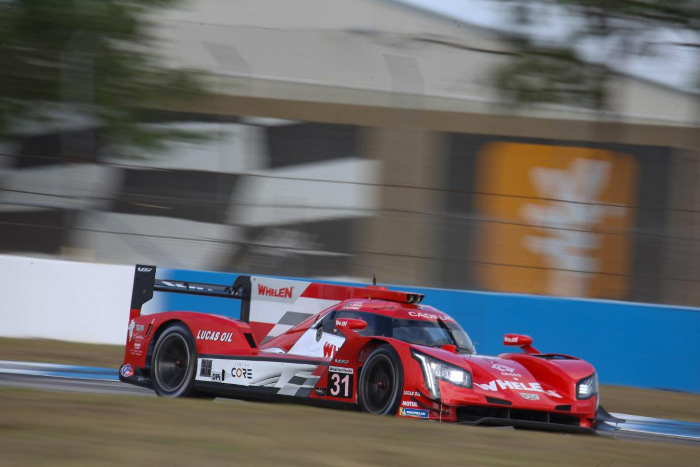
pixel 284 292
pixel 329 350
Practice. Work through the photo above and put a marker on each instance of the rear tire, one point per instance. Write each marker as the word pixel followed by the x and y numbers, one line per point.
pixel 381 382
pixel 174 362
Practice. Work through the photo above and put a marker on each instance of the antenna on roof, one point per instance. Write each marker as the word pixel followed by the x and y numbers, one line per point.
pixel 374 279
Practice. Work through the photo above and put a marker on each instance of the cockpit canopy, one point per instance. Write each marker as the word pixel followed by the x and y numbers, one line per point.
pixel 436 332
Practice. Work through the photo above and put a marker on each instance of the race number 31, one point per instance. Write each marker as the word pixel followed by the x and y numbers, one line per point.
pixel 340 382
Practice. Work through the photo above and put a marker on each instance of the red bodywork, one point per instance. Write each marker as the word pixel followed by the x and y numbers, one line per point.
pixel 530 389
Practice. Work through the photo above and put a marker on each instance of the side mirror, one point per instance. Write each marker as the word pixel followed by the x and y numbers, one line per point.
pixel 520 340
pixel 353 324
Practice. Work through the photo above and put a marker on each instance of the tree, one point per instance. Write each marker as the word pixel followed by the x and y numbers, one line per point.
pixel 557 72
pixel 91 60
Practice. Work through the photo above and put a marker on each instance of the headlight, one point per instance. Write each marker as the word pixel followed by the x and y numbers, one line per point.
pixel 434 370
pixel 587 387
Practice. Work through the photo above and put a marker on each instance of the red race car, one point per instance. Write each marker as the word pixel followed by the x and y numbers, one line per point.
pixel 365 347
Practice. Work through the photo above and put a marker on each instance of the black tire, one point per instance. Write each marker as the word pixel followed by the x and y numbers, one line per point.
pixel 381 382
pixel 174 362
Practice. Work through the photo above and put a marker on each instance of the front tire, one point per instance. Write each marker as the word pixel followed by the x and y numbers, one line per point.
pixel 381 382
pixel 174 362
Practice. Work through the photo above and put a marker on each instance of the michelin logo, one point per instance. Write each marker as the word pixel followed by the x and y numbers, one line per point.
pixel 420 413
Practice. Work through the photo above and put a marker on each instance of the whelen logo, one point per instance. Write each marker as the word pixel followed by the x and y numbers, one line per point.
pixel 533 387
pixel 284 292
pixel 329 350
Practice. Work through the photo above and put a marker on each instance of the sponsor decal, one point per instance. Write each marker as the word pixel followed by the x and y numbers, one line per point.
pixel 533 387
pixel 420 413
pixel 506 370
pixel 205 369
pixel 502 368
pixel 342 362
pixel 204 335
pixel 139 328
pixel 127 371
pixel 137 345
pixel 530 397
pixel 329 350
pixel 420 314
pixel 411 393
pixel 319 334
pixel 409 404
pixel 320 391
pixel 218 376
pixel 283 292
pixel 352 306
pixel 145 269
pixel 340 323
pixel 511 340
pixel 242 371
pixel 340 369
pixel 185 285
pixel 132 324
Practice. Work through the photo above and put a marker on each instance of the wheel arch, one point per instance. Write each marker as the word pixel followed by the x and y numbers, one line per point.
pixel 367 349
pixel 154 339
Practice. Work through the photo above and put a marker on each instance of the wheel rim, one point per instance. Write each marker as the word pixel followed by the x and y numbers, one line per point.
pixel 173 362
pixel 380 383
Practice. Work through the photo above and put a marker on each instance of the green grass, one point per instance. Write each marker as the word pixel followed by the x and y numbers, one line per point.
pixel 651 403
pixel 63 429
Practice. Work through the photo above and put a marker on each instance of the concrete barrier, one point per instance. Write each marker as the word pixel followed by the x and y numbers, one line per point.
pixel 64 300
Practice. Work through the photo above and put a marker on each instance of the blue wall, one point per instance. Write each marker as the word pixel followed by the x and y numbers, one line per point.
pixel 630 344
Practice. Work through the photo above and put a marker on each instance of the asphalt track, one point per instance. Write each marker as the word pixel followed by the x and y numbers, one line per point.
pixel 52 377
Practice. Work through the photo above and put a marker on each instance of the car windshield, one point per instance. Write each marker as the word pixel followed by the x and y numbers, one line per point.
pixel 432 333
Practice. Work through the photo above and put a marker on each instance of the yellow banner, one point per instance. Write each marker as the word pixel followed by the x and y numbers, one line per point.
pixel 555 219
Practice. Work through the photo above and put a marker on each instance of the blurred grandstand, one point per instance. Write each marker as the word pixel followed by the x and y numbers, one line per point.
pixel 360 137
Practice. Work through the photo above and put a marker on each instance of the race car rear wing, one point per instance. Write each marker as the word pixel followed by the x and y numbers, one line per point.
pixel 269 305
pixel 145 283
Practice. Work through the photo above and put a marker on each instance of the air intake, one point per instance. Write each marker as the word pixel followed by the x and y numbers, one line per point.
pixel 495 400
pixel 250 339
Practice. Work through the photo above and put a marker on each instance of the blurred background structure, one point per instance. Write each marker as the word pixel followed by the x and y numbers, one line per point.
pixel 545 148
